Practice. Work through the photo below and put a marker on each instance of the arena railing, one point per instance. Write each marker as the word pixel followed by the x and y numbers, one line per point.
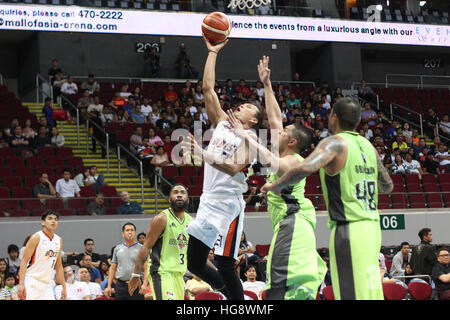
pixel 354 91
pixel 105 145
pixel 414 276
pixel 417 81
pixel 440 135
pixel 396 105
pixel 1 79
pixel 139 162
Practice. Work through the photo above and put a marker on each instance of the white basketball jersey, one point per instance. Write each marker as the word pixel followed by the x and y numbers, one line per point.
pixel 43 260
pixel 223 144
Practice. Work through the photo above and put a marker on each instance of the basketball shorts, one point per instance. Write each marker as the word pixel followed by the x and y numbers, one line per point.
pixel 294 267
pixel 37 290
pixel 354 266
pixel 219 222
pixel 167 286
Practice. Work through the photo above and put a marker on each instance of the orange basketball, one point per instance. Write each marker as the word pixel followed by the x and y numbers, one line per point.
pixel 216 27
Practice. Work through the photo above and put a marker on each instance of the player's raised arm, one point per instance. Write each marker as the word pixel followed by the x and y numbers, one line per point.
pixel 155 230
pixel 212 104
pixel 272 108
pixel 326 151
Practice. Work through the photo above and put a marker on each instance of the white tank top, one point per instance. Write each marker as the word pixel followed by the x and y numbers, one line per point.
pixel 43 260
pixel 223 144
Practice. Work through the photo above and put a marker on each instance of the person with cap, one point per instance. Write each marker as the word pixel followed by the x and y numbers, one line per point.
pixel 253 197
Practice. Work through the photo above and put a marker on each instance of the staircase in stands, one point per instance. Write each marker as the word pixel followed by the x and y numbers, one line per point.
pixel 130 182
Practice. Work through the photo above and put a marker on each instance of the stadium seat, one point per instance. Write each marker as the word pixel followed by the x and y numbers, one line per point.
pixel 208 296
pixel 384 202
pixel 87 192
pixel 197 181
pixel 169 171
pixel 15 162
pixel 419 290
pixel 64 152
pixel 77 204
pixel 35 162
pixel 19 213
pixel 4 192
pixel 388 265
pixel 6 153
pixel 46 152
pixel 321 205
pixel 414 188
pixel 188 171
pixel 434 200
pixel 431 187
pixel 195 191
pixel 397 179
pixel 393 291
pixel 399 188
pixel 399 201
pixel 262 249
pixel 250 209
pixel 6 172
pixel 66 212
pixel 9 205
pixel 24 171
pixel 108 191
pixel 313 180
pixel 328 293
pixel 31 204
pixel 54 204
pixel 111 211
pixel 412 179
pixel 55 161
pixel 115 202
pixel 263 295
pixel 444 178
pixel 12 182
pixel 251 294
pixel 184 180
pixel 74 162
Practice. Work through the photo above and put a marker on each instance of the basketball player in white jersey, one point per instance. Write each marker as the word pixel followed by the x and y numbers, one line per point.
pixel 42 254
pixel 220 216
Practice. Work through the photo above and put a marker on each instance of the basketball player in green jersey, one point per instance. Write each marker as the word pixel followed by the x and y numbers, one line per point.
pixel 166 242
pixel 351 173
pixel 294 268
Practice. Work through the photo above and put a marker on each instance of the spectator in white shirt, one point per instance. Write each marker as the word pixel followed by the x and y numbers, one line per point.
pixel 76 290
pixel 251 284
pixel 444 126
pixel 69 87
pixel 442 155
pixel 412 166
pixel 106 116
pixel 368 133
pixel 259 90
pixel 95 291
pixel 66 187
pixel 95 106
pixel 146 108
pixel 124 92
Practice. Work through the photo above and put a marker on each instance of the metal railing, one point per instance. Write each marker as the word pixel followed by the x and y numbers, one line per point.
pixel 407 120
pixel 66 101
pixel 141 171
pixel 158 178
pixel 354 91
pixel 46 90
pixel 414 276
pixel 1 79
pixel 419 82
pixel 440 135
pixel 104 145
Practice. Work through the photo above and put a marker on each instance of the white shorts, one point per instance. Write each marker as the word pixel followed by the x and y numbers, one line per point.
pixel 219 222
pixel 37 290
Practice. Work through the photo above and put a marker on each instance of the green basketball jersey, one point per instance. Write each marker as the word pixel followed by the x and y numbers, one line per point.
pixel 352 193
pixel 291 200
pixel 169 252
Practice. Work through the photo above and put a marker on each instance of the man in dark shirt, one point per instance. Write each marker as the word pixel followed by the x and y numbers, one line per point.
pixel 89 251
pixel 164 123
pixel 54 70
pixel 45 189
pixel 430 163
pixel 18 140
pixel 430 123
pixel 423 256
pixel 97 207
pixel 441 274
pixel 252 197
pixel 128 207
pixel 42 139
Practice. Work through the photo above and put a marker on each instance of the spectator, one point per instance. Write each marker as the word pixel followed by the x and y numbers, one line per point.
pixel 164 124
pixel 400 144
pixel 259 89
pixel 124 93
pixel 412 166
pixel 385 276
pixel 13 260
pixel 44 123
pixel 89 247
pixel 106 116
pixel 430 163
pixel 137 116
pixel 67 187
pixel 136 140
pixel 42 139
pixel 91 85
pixel 151 62
pixel 441 274
pixel 57 84
pixel 382 260
pixel 54 69
pixel 407 133
pixel 423 256
pixel 97 207
pixel 400 260
pixel 366 92
pixel 154 139
pixel 146 108
pixel 387 163
pixel 230 90
pixel 94 179
pixel 444 126
pixel 168 145
pixel 4 270
pixel 28 131
pixel 251 284
pixel 141 238
pixel 211 259
pixel 95 105
pixel 443 156
pixel 94 274
pixel 196 286
pixel 123 263
pixel 129 107
pixel 368 133
pixel 47 109
pixel 160 159
pixel 397 165
pixel 82 177
pixel 103 268
pixel 128 207
pixel 430 123
pixel 247 252
pixel 368 115
pixel 85 275
pixel 145 154
pixel 198 96
pixel 45 189
pixel 183 65
pixel 252 197
pixel 10 287
pixel 292 101
pixel 320 110
pixel 316 138
pixel 69 88
pixel 76 290
pixel 56 139
pixel 170 95
pixel 118 102
pixel 392 130
pixel 18 140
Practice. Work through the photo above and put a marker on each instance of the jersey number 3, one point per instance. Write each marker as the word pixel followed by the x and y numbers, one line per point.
pixel 182 258
pixel 365 190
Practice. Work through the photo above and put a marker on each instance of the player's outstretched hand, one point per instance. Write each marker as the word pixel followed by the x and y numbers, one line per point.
pixel 263 70
pixel 235 124
pixel 133 284
pixel 214 47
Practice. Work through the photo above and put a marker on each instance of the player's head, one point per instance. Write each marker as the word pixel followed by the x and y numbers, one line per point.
pixel 49 220
pixel 345 115
pixel 129 231
pixel 295 137
pixel 425 235
pixel 250 273
pixel 179 197
pixel 250 115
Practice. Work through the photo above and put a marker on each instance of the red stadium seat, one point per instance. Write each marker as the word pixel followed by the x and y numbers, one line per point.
pixel 108 191
pixel 35 162
pixel 9 205
pixel 444 178
pixel 184 180
pixel 262 249
pixel 24 171
pixel 388 265
pixel 188 171
pixel 111 211
pixel 399 188
pixel 46 152
pixel 399 201
pixel 7 153
pixel 419 290
pixel 414 188
pixel 429 179
pixel 197 181
pixel 431 187
pixel 87 192
pixel 208 296
pixel 321 205
pixel 434 200
pixel 55 161
pixel 195 191
pixel 393 291
pixel 54 204
pixel 64 152
pixel 74 162
pixel 384 202
pixel 42 169
pixel 397 179
pixel 4 192
pixel 412 179
pixel 77 204
pixel 6 172
pixel 19 213
pixel 328 293
pixel 250 209
pixel 66 212
pixel 31 204
pixel 313 180
pixel 169 171
pixel 15 162
pixel 251 294
pixel 12 182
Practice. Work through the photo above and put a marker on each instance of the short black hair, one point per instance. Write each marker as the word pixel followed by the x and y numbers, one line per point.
pixel 404 243
pixel 303 137
pixel 141 234
pixel 128 224
pixel 249 267
pixel 437 253
pixel 87 240
pixel 348 111
pixel 49 212
pixel 179 184
pixel 67 170
pixel 423 233
pixel 13 248
pixel 9 275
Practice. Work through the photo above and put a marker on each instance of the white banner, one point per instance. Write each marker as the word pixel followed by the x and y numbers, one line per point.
pixel 101 20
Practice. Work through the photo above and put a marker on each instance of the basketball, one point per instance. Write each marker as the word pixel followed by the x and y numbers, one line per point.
pixel 216 27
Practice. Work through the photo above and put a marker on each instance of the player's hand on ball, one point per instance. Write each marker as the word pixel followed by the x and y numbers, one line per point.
pixel 214 47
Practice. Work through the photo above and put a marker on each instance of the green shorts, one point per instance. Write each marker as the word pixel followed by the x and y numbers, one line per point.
pixel 354 266
pixel 293 264
pixel 167 286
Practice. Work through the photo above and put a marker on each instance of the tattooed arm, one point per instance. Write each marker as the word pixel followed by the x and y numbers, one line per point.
pixel 385 184
pixel 326 151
